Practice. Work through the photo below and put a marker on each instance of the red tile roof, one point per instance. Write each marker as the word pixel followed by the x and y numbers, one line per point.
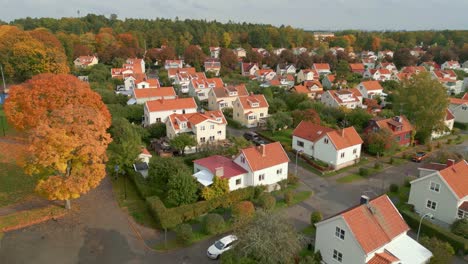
pixel 344 138
pixel 383 258
pixel 449 115
pixel 310 131
pixel 301 89
pixel 230 169
pixel 265 156
pixel 376 224
pixel 196 118
pixel 336 95
pixel 372 85
pixel 465 96
pixel 456 177
pixel 387 123
pixel 457 101
pixel 464 206
pixel 154 92
pixel 357 67
pixel 171 104
pixel 221 92
pixel 175 71
pixel 246 101
pixel 321 66
pixel 309 84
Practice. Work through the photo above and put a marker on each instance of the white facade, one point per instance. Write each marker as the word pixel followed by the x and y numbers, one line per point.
pixel 161 116
pixel 208 131
pixel 460 111
pixel 370 94
pixel 347 100
pixel 449 125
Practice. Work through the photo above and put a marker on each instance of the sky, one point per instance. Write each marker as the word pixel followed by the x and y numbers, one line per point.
pixel 306 14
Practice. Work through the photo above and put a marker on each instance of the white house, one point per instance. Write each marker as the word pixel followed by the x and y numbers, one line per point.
pixel 338 148
pixel 307 75
pixel 387 65
pixel 448 78
pixel 214 52
pixel 322 68
pixel 222 97
pixel 207 128
pixel 449 122
pixel 459 108
pixel 85 61
pixel 285 69
pixel 157 111
pixel 373 232
pixel 142 161
pixel 450 65
pixel 140 96
pixel 378 74
pixel 201 87
pixel 442 193
pixel 172 72
pixel 384 53
pixel 173 64
pixel 261 165
pixel 265 75
pixel 313 89
pixel 371 89
pixel 212 65
pixel 184 78
pixel 240 52
pixel 140 81
pixel 349 98
pixel 250 110
pixel 369 63
pixel 249 69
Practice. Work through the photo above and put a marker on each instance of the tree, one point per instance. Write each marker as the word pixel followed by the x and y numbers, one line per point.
pixel 157 130
pixel 219 188
pixel 305 115
pixel 213 224
pixel 228 60
pixel 424 101
pixel 342 70
pixel 276 105
pixel 243 211
pixel 126 145
pixel 194 56
pixel 182 189
pixel 402 57
pixel 378 142
pixel 460 227
pixel 359 118
pixel 182 141
pixel 267 233
pixel 442 251
pixel 160 171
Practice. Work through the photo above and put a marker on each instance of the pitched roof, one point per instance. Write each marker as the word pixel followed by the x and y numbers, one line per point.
pixel 458 101
pixel 221 92
pixel 331 77
pixel 196 118
pixel 387 123
pixel 357 67
pixel 465 96
pixel 265 156
pixel 154 92
pixel 457 177
pixel 309 84
pixel 336 95
pixel 464 206
pixel 372 85
pixel 246 101
pixel 449 115
pixel 344 138
pixel 321 66
pixel 376 224
pixel 171 104
pixel 310 131
pixel 383 258
pixel 175 71
pixel 301 89
pixel 230 169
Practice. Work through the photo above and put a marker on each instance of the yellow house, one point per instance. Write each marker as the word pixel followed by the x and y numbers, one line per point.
pixel 222 97
pixel 250 110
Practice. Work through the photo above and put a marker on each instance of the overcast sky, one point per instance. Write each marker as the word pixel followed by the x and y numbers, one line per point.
pixel 307 14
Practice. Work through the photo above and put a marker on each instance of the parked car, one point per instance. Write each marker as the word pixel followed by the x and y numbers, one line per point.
pixel 221 246
pixel 251 136
pixel 419 156
pixel 259 141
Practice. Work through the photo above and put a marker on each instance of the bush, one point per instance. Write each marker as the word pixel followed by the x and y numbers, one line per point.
pixel 378 166
pixel 213 224
pixel 364 172
pixel 315 217
pixel 184 233
pixel 394 188
pixel 243 211
pixel 258 191
pixel 292 179
pixel 460 227
pixel 407 183
pixel 391 160
pixel 288 197
pixel 282 184
pixel 449 141
pixel 267 201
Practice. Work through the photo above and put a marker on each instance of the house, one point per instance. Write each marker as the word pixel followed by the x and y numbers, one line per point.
pixel 264 165
pixel 265 75
pixel 201 87
pixel 335 50
pixel 378 74
pixel 251 110
pixel 465 66
pixel 371 89
pixel 307 75
pixel 399 126
pixel 430 65
pixel 212 65
pixel 142 163
pixel 323 35
pixel 449 121
pixel 313 89
pixel 387 65
pixel 368 63
pixel 207 127
pixel 278 52
pixel 448 78
pixel 372 232
pixel 284 81
pixel 358 68
pixel 385 53
pixel 140 81
pixel 249 69
pixel 413 69
pixel 85 61
pixel 442 192
pixel 172 73
pixel 183 79
pixel 222 97
pixel 240 52
pixel 141 96
pixel 329 82
pixel 459 108
pixel 214 52
pixel 322 68
pixel 157 111
pixel 349 98
pixel 450 65
pixel 130 67
pixel 285 69
pixel 338 148
pixel 366 54
pixel 263 52
pixel 173 64
pixel 299 50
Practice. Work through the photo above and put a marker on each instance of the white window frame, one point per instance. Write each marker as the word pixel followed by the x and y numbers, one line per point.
pixel 238 181
pixel 434 186
pixel 340 233
pixel 431 203
pixel 300 143
pixel 337 256
pixel 261 177
pixel 279 171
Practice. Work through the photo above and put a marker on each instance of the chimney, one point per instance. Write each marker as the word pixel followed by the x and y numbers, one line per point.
pixel 364 199
pixel 450 162
pixel 342 132
pixel 262 150
pixel 219 172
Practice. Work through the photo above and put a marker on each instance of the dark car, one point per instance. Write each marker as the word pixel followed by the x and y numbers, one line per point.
pixel 259 141
pixel 251 136
pixel 419 156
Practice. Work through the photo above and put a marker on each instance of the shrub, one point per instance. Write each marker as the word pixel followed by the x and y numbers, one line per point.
pixel 288 197
pixel 184 233
pixel 378 166
pixel 213 224
pixel 267 201
pixel 407 183
pixel 258 191
pixel 243 211
pixel 449 141
pixel 292 179
pixel 315 217
pixel 282 184
pixel 391 160
pixel 439 144
pixel 394 188
pixel 460 227
pixel 406 155
pixel 364 172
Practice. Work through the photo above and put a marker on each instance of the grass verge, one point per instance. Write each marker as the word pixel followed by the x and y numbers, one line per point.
pixel 297 198
pixel 351 178
pixel 30 217
pixel 283 136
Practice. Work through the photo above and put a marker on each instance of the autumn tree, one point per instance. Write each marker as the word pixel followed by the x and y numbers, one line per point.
pixel 402 57
pixel 424 102
pixel 378 142
pixel 228 60
pixel 67 124
pixel 219 187
pixel 194 56
pixel 305 115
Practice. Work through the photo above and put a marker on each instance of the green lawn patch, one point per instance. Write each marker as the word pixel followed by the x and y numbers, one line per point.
pixel 30 217
pixel 283 136
pixel 351 178
pixel 362 162
pixel 309 231
pixel 15 185
pixel 297 198
pixel 134 204
pixel 307 166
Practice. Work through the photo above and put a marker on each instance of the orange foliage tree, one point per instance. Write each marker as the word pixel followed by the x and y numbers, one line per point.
pixel 67 123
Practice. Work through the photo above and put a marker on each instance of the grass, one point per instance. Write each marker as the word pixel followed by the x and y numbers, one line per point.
pixel 297 198
pixel 351 178
pixel 309 231
pixel 26 218
pixel 283 136
pixel 398 161
pixel 307 166
pixel 363 161
pixel 134 204
pixel 15 185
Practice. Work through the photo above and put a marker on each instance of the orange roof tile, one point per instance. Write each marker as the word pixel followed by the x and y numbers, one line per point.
pixel 376 224
pixel 449 115
pixel 321 66
pixel 197 118
pixel 457 101
pixel 221 92
pixel 265 156
pixel 175 71
pixel 386 123
pixel 310 131
pixel 247 100
pixel 309 84
pixel 331 77
pixel 301 89
pixel 357 67
pixel 154 92
pixel 345 138
pixel 456 177
pixel 465 96
pixel 383 258
pixel 171 104
pixel 372 85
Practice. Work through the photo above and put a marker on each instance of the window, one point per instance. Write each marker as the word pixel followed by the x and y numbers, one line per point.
pixel 325 140
pixel 397 138
pixel 211 126
pixel 431 204
pixel 212 138
pixel 252 117
pixel 464 108
pixel 261 177
pixel 435 187
pixel 340 233
pixel 279 171
pixel 243 159
pixel 202 139
pixel 158 120
pixel 183 125
pixel 238 181
pixel 354 151
pixel 183 111
pixel 342 154
pixel 337 255
pixel 202 128
pixel 408 135
pixel 220 133
pixel 261 114
pixel 300 143
pixel 462 214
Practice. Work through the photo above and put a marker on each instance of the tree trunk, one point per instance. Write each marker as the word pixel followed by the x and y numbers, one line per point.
pixel 67 204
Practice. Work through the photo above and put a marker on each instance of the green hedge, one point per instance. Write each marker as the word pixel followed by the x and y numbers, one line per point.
pixel 171 217
pixel 431 230
pixel 461 126
pixel 233 123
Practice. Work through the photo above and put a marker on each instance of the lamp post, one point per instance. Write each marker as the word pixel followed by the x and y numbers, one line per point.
pixel 297 153
pixel 420 222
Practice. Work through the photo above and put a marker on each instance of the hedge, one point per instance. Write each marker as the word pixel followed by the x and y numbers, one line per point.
pixel 461 126
pixel 171 217
pixel 431 230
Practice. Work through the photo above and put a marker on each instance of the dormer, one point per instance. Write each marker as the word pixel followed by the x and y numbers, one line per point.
pixel 253 103
pixel 182 122
pixel 396 123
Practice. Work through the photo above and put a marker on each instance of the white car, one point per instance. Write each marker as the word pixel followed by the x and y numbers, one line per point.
pixel 221 246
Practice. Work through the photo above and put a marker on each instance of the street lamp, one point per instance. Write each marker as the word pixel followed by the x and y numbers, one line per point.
pixel 420 222
pixel 297 153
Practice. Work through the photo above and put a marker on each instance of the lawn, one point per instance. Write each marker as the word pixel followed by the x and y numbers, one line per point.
pixel 297 198
pixel 283 136
pixel 135 205
pixel 351 178
pixel 26 218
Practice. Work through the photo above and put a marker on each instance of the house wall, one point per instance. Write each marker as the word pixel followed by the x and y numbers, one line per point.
pixel 449 125
pixel 308 148
pixel 151 117
pixel 210 129
pixel 326 83
pixel 460 112
pixel 144 100
pixel 326 151
pixel 244 179
pixel 239 114
pixel 350 158
pixel 328 100
pixel 326 241
pixel 272 176
pixel 446 209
